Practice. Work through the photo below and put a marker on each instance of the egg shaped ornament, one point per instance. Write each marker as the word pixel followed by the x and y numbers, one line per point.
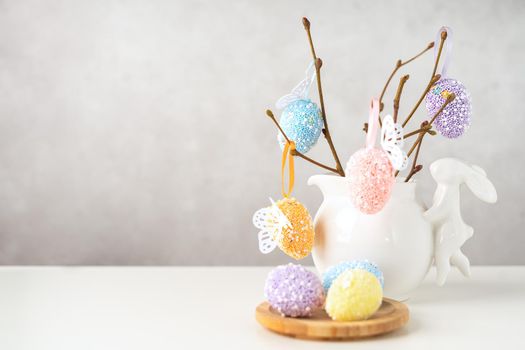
pixel 297 238
pixel 370 172
pixel 334 271
pixel 287 223
pixel 301 118
pixel 294 291
pixel 455 118
pixel 354 295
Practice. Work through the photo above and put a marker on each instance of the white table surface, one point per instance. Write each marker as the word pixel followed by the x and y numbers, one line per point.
pixel 213 308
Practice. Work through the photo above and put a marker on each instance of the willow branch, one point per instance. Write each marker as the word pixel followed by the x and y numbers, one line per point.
pixel 415 132
pixel 399 91
pixel 432 81
pixel 306 24
pixel 299 154
pixel 449 99
pixel 440 50
pixel 399 64
pixel 414 145
pixel 414 171
pixel 326 131
pixel 269 113
pixel 415 167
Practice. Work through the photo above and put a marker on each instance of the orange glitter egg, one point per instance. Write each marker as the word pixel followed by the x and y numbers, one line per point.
pixel 296 241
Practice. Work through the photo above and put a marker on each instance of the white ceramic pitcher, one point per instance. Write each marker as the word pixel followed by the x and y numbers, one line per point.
pixel 404 238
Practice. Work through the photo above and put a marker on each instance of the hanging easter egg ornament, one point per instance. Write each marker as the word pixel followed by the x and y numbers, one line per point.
pixel 294 291
pixel 301 119
pixel 454 120
pixel 369 171
pixel 286 223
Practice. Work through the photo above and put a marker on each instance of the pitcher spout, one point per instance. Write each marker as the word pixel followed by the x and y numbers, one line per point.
pixel 330 185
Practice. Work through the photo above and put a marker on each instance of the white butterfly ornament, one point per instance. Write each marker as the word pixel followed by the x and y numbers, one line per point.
pixel 271 221
pixel 392 141
pixel 300 91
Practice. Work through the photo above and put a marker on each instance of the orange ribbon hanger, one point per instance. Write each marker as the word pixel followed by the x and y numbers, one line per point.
pixel 289 147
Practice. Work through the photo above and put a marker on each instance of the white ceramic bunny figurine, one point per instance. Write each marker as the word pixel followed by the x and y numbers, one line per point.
pixel 450 231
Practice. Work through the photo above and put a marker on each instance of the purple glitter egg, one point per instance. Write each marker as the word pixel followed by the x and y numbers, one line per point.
pixel 454 120
pixel 294 291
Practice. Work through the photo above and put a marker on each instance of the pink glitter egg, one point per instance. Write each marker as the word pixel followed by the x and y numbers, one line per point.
pixel 371 177
pixel 454 120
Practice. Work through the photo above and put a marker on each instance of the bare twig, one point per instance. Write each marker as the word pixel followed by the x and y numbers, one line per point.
pixel 415 168
pixel 413 172
pixel 400 64
pixel 449 99
pixel 318 65
pixel 269 113
pixel 399 91
pixel 297 153
pixel 306 24
pixel 428 124
pixel 432 81
pixel 414 145
pixel 440 49
pixel 415 132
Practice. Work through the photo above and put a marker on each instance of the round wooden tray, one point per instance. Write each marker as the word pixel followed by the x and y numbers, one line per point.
pixel 390 316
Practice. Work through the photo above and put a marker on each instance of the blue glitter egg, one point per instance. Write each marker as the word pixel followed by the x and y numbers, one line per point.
pixel 301 121
pixel 334 271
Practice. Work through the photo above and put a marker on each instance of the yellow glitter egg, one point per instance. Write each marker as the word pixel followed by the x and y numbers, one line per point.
pixel 296 240
pixel 354 295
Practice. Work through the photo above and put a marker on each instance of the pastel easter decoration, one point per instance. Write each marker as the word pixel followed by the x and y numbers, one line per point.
pixel 301 119
pixel 294 291
pixel 286 223
pixel 405 237
pixel 355 295
pixel 455 118
pixel 334 271
pixel 392 141
pixel 369 171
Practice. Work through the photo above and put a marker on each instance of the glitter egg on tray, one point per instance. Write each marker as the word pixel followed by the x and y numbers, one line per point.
pixel 355 295
pixel 301 121
pixel 371 177
pixel 334 271
pixel 293 290
pixel 454 120
pixel 296 240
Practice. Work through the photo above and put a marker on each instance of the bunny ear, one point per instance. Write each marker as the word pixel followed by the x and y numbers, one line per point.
pixel 480 185
pixel 479 170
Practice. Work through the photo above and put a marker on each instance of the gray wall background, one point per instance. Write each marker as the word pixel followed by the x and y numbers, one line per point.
pixel 133 132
